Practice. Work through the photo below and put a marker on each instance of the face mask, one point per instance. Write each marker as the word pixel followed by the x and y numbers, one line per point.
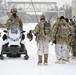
pixel 14 15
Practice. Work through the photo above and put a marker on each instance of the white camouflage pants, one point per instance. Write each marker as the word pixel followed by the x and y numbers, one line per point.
pixel 62 51
pixel 43 47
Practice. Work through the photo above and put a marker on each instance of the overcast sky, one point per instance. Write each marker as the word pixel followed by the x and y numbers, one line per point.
pixel 59 2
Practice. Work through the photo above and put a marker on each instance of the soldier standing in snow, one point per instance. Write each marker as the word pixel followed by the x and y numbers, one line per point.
pixel 42 32
pixel 60 32
pixel 73 41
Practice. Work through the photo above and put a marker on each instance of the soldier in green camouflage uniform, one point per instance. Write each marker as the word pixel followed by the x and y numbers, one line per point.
pixel 42 32
pixel 61 47
pixel 14 19
pixel 73 40
pixel 57 20
pixel 71 23
pixel 69 39
pixel 3 19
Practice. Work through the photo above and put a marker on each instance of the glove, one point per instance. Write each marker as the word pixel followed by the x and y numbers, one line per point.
pixel 35 34
pixel 70 34
pixel 54 41
pixel 30 31
pixel 30 36
pixel 4 37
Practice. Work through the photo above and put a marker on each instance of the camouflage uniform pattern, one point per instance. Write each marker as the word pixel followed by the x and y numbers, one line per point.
pixel 13 20
pixel 73 41
pixel 40 33
pixel 59 39
pixel 61 47
pixel 41 38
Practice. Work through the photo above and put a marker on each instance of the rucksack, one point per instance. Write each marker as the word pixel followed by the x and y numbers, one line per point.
pixel 63 31
pixel 47 27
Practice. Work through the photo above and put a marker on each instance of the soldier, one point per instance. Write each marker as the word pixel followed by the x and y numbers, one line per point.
pixel 71 22
pixel 60 32
pixel 3 19
pixel 14 19
pixel 73 41
pixel 69 39
pixel 57 20
pixel 42 32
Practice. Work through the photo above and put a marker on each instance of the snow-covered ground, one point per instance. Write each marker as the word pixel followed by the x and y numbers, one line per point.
pixel 18 66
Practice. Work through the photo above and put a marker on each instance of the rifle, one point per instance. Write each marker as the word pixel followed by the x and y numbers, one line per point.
pixel 49 19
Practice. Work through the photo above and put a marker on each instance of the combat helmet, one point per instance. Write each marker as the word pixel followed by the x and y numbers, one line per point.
pixel 13 10
pixel 42 17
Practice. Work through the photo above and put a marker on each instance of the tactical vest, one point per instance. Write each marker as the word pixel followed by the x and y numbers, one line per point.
pixel 63 31
pixel 45 29
pixel 15 20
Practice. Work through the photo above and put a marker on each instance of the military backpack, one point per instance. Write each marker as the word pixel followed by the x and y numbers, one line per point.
pixel 47 27
pixel 45 31
pixel 63 30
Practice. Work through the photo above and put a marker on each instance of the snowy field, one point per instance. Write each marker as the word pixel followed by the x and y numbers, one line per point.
pixel 18 66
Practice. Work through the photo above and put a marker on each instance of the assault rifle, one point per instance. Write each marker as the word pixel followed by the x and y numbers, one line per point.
pixel 49 19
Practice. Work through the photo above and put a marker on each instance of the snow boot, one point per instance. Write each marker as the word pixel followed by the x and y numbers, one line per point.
pixel 63 61
pixel 45 59
pixel 59 61
pixel 73 57
pixel 39 60
pixel 67 60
